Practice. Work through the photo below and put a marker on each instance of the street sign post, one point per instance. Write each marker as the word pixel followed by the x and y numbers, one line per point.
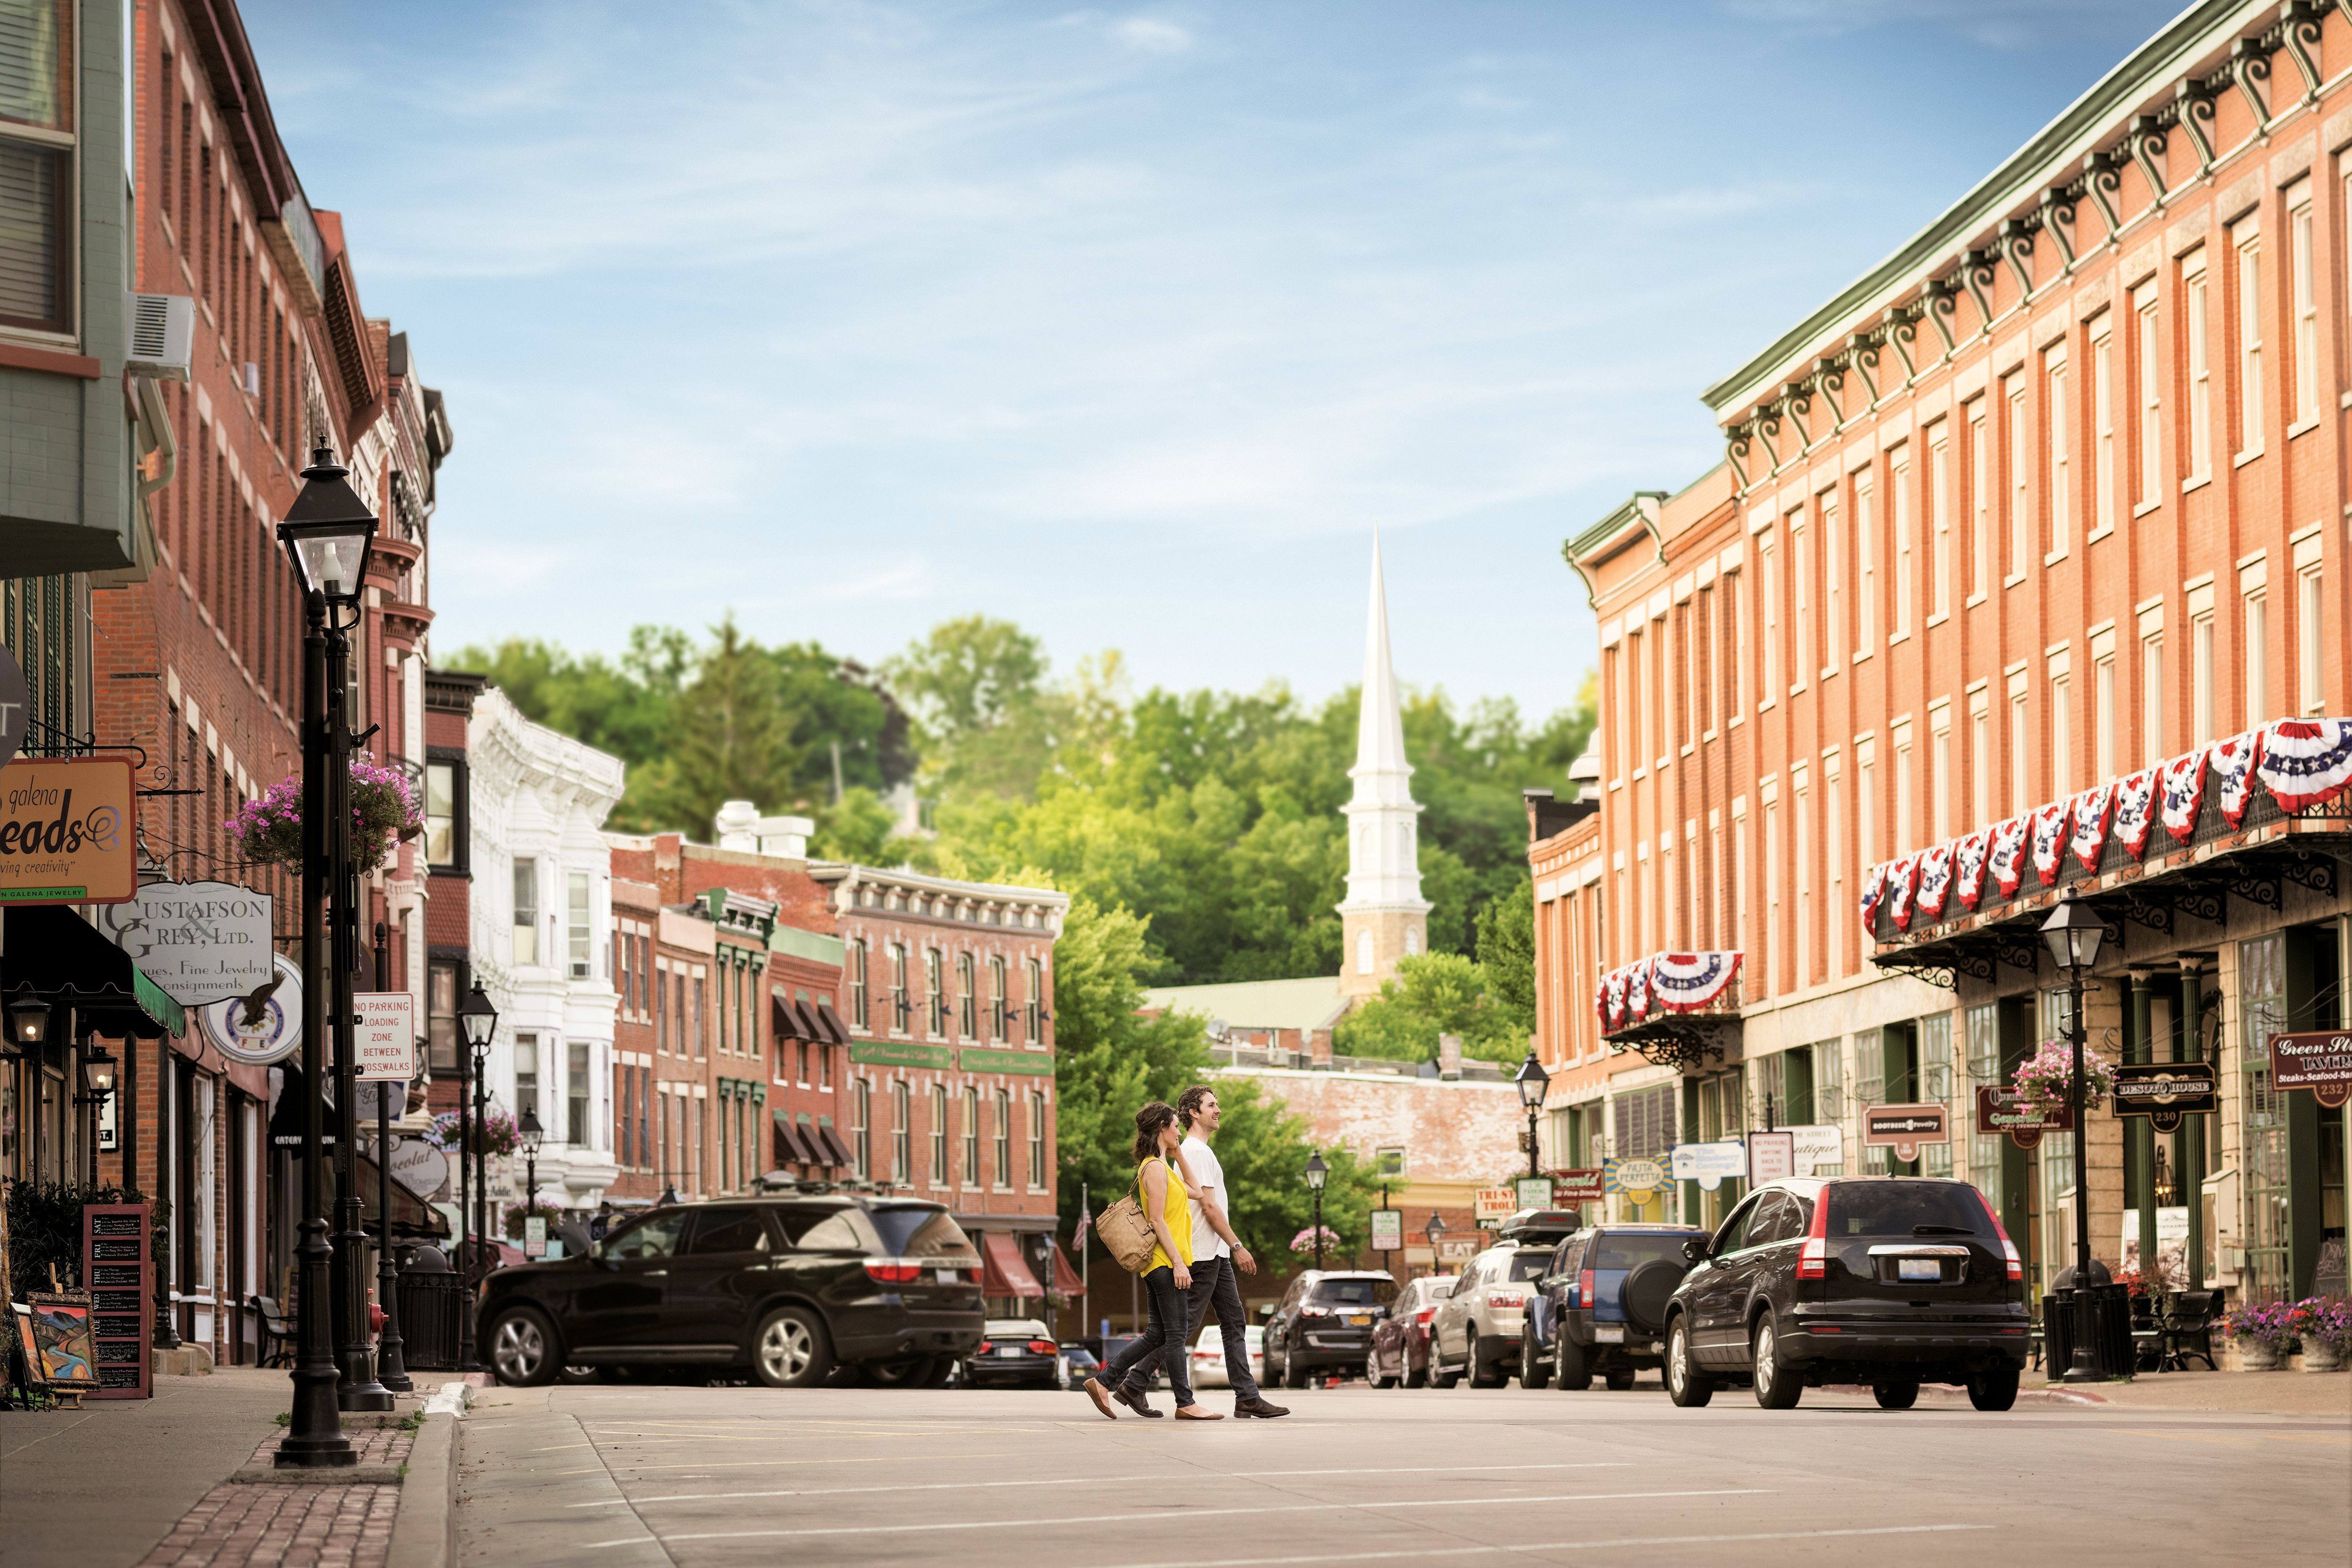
pixel 1388 1230
pixel 1535 1192
pixel 385 1039
pixel 1772 1156
pixel 1905 1128
pixel 2163 1092
pixel 2319 1060
pixel 534 1235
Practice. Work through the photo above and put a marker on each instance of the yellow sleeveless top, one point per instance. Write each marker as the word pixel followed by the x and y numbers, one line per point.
pixel 1177 1211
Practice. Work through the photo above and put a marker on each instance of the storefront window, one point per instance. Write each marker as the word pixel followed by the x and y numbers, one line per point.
pixel 1984 1071
pixel 2266 1183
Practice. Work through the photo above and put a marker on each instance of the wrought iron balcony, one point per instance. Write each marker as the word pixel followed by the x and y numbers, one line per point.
pixel 1676 1009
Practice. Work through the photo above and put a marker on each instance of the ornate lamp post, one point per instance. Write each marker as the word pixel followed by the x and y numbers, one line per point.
pixel 1434 1230
pixel 480 1022
pixel 2074 931
pixel 528 1130
pixel 98 1084
pixel 327 534
pixel 1317 1173
pixel 1533 1082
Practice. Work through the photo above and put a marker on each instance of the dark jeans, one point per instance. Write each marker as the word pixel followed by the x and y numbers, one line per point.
pixel 1164 1337
pixel 1214 1284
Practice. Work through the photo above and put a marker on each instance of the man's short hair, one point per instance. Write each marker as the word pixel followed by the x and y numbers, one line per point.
pixel 1188 1104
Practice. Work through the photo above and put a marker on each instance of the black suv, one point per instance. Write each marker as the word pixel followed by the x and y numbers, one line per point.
pixel 1890 1281
pixel 1325 1321
pixel 1601 1306
pixel 788 1286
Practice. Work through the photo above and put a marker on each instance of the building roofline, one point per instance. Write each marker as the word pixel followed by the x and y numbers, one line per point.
pixel 848 875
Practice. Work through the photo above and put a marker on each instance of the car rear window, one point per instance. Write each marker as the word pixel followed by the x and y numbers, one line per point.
pixel 918 1232
pixel 1439 1288
pixel 1632 1251
pixel 1354 1292
pixel 1900 1208
pixel 1528 1265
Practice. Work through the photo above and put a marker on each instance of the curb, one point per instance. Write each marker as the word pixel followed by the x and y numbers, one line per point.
pixel 423 1530
pixel 1954 1392
pixel 293 1475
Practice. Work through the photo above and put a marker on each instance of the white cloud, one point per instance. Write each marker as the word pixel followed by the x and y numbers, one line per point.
pixel 1152 35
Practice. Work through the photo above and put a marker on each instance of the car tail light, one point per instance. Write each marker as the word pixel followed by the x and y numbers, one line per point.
pixel 1814 1257
pixel 2008 1248
pixel 892 1272
pixel 1584 1288
pixel 1506 1298
pixel 1425 1314
pixel 1044 1347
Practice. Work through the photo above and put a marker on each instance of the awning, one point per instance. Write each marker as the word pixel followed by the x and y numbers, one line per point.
pixel 1003 1270
pixel 790 1149
pixel 58 955
pixel 836 1152
pixel 412 1217
pixel 836 1032
pixel 789 1023
pixel 1066 1282
pixel 287 1119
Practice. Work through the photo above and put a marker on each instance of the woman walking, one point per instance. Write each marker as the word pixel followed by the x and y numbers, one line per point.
pixel 1166 1186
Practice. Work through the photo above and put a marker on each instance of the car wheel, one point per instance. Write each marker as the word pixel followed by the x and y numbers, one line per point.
pixel 1897 1396
pixel 1778 1387
pixel 790 1350
pixel 1535 1371
pixel 1293 1374
pixel 907 1373
pixel 1486 1366
pixel 1994 1390
pixel 1441 1378
pixel 936 1376
pixel 1686 1384
pixel 524 1347
pixel 1569 1370
pixel 1415 1376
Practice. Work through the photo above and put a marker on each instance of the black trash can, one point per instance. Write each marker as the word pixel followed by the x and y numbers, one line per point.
pixel 432 1312
pixel 2110 1322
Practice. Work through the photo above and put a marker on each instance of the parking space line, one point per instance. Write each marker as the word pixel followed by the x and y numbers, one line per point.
pixel 619 1465
pixel 1089 1480
pixel 1177 1515
pixel 1422 1552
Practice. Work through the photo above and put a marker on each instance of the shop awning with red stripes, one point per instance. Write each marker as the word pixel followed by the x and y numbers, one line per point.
pixel 1066 1283
pixel 1004 1271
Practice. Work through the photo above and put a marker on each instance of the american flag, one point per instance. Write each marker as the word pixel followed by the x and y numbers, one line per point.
pixel 1079 1234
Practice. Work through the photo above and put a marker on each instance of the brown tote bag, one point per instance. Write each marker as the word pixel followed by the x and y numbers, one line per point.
pixel 1127 1235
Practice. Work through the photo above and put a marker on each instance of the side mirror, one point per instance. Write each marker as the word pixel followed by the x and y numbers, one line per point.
pixel 1695 1250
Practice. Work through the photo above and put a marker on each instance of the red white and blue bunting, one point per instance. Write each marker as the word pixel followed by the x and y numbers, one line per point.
pixel 2184 793
pixel 1637 990
pixel 1935 881
pixel 1873 887
pixel 2008 861
pixel 2093 808
pixel 1968 857
pixel 1686 982
pixel 1902 881
pixel 1613 1000
pixel 2233 761
pixel 2307 762
pixel 2136 812
pixel 2050 840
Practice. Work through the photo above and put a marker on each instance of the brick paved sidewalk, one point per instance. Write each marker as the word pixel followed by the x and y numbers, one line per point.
pixel 294 1524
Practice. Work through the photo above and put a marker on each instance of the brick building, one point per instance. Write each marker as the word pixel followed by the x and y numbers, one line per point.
pixel 2051 497
pixel 948 1089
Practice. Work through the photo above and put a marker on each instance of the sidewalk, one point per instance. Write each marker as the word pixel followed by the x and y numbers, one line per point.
pixel 2268 1393
pixel 156 1484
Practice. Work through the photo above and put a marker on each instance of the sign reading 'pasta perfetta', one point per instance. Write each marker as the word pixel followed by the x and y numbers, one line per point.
pixel 65 831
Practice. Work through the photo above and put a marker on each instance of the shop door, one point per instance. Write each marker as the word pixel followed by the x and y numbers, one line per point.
pixel 2265 1212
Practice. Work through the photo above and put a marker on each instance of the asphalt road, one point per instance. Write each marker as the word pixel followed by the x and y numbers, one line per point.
pixel 633 1476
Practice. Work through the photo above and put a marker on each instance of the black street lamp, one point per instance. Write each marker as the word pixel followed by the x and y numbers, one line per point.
pixel 2074 931
pixel 391 1358
pixel 1317 1173
pixel 1533 1083
pixel 327 534
pixel 98 1083
pixel 1434 1229
pixel 480 1022
pixel 528 1132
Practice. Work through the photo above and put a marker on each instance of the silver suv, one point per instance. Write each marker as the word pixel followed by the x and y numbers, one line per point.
pixel 1478 1328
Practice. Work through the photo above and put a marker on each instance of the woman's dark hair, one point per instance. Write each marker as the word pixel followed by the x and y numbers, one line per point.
pixel 1148 1121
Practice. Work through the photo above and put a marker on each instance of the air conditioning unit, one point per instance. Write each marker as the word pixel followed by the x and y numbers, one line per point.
pixel 162 336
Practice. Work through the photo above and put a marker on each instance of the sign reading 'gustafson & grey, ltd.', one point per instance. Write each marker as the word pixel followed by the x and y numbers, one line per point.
pixel 201 942
pixel 2319 1060
pixel 65 831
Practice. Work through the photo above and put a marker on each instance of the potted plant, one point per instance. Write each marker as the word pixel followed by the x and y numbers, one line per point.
pixel 2045 1081
pixel 2324 1324
pixel 2263 1333
pixel 384 805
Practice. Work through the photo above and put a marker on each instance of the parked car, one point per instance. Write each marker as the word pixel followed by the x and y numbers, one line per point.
pixel 1208 1365
pixel 1477 1329
pixel 1399 1353
pixel 789 1288
pixel 1014 1353
pixel 1105 1350
pixel 1324 1322
pixel 1599 1308
pixel 1078 1364
pixel 1886 1281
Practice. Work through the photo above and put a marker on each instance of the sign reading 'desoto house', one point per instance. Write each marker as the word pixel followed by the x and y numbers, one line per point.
pixel 201 942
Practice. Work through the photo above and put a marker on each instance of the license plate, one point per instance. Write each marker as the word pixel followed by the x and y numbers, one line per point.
pixel 1359 1319
pixel 950 1277
pixel 1609 1333
pixel 1009 1351
pixel 1917 1268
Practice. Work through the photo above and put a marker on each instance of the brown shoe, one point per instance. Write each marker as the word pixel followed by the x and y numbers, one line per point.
pixel 1134 1398
pixel 1194 1413
pixel 1101 1396
pixel 1259 1408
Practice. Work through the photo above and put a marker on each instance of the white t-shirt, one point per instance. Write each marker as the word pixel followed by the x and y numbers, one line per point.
pixel 1210 1177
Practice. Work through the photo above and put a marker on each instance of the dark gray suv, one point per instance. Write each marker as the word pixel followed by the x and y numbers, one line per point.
pixel 1886 1282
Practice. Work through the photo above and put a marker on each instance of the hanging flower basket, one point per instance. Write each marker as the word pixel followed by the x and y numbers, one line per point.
pixel 2045 1081
pixel 1305 1240
pixel 268 831
pixel 517 1214
pixel 498 1135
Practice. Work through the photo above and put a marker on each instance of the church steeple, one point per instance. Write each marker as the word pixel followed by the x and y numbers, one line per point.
pixel 1384 917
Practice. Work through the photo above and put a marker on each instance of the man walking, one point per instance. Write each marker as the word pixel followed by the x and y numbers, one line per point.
pixel 1216 1251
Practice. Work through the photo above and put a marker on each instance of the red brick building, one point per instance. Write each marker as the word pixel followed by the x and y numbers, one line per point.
pixel 2053 496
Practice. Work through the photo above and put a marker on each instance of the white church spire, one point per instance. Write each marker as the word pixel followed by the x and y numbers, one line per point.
pixel 1384 917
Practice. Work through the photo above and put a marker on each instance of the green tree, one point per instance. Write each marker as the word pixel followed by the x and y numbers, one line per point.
pixel 1506 953
pixel 731 735
pixel 1434 994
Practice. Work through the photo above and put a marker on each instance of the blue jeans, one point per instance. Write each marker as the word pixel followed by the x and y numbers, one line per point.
pixel 1164 1337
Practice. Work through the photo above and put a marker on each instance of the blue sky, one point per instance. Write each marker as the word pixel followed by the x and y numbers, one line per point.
pixel 1127 324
